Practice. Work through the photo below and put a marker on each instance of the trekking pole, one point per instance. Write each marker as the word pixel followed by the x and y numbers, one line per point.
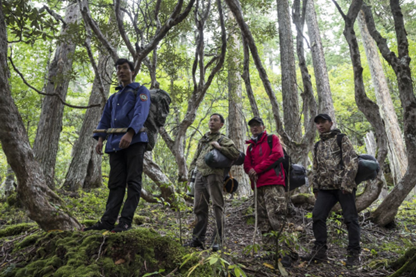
pixel 255 217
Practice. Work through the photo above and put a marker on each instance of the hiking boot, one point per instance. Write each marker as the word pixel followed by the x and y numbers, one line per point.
pixel 195 243
pixel 121 227
pixel 353 258
pixel 318 254
pixel 99 226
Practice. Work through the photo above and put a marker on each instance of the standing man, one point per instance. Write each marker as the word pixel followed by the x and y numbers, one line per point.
pixel 128 108
pixel 334 181
pixel 209 183
pixel 259 164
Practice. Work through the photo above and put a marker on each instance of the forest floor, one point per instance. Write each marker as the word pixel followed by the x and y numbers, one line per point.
pixel 380 245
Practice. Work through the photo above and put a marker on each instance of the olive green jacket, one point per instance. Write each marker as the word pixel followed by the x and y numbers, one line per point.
pixel 227 148
pixel 328 174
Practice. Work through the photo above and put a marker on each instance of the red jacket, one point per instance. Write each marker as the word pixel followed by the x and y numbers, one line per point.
pixel 259 157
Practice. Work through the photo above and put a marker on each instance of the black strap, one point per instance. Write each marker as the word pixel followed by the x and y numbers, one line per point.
pixel 339 142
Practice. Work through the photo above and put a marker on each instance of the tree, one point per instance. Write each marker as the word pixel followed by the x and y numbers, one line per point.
pixel 365 104
pixel 299 148
pixel 386 212
pixel 396 150
pixel 236 124
pixel 50 122
pixel 291 113
pixel 41 203
pixel 318 58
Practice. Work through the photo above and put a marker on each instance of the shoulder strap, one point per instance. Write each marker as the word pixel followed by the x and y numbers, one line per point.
pixel 315 148
pixel 220 139
pixel 270 142
pixel 339 142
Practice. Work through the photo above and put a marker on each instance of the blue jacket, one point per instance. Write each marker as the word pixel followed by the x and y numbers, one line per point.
pixel 124 109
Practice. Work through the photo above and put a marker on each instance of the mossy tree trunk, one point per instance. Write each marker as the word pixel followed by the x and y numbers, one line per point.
pixel 41 203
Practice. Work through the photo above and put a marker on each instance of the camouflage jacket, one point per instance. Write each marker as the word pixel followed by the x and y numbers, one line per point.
pixel 328 174
pixel 227 148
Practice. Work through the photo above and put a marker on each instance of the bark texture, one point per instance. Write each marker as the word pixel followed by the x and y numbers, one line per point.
pixel 85 168
pixel 9 182
pixel 386 212
pixel 32 190
pixel 50 121
pixel 396 150
pixel 326 104
pixel 370 109
pixel 291 114
pixel 235 110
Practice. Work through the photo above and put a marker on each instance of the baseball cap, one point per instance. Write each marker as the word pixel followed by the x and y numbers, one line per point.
pixel 323 116
pixel 256 119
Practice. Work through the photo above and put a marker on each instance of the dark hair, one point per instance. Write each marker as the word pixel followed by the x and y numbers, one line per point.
pixel 123 61
pixel 220 116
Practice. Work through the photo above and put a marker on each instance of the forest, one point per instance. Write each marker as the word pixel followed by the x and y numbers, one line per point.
pixel 285 61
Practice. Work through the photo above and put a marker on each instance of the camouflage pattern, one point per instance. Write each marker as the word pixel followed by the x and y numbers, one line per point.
pixel 271 212
pixel 328 174
pixel 227 148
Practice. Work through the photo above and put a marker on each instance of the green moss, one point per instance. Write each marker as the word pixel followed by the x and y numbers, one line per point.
pixel 91 253
pixel 139 220
pixel 16 229
pixel 29 240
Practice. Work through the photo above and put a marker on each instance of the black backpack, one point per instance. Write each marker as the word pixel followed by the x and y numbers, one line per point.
pixel 158 112
pixel 368 166
pixel 297 173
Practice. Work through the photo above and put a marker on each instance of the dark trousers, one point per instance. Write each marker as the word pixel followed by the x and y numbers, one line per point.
pixel 206 188
pixel 324 203
pixel 126 169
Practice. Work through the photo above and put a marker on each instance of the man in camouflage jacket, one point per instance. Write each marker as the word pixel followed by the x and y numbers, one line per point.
pixel 209 182
pixel 334 181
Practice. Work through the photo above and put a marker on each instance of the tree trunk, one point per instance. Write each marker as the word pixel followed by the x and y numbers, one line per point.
pixel 309 103
pixel 396 150
pixel 319 65
pixel 246 78
pixel 32 190
pixel 50 121
pixel 152 169
pixel 386 212
pixel 9 182
pixel 235 110
pixel 291 114
pixel 371 146
pixel 366 106
pixel 85 168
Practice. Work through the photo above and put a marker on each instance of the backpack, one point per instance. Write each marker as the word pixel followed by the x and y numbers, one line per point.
pixel 295 174
pixel 158 112
pixel 368 166
pixel 215 159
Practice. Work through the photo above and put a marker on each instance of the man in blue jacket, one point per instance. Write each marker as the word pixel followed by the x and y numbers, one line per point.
pixel 128 108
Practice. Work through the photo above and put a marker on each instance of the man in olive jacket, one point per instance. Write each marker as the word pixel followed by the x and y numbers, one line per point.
pixel 334 181
pixel 209 182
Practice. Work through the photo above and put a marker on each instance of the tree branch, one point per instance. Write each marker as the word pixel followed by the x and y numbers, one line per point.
pixel 88 20
pixel 119 19
pixel 48 94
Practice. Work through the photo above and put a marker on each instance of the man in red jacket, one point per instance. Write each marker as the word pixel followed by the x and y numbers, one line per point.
pixel 270 182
